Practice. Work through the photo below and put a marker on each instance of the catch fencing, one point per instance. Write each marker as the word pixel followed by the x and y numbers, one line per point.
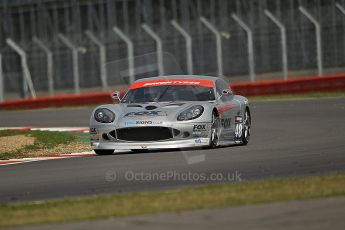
pixel 51 46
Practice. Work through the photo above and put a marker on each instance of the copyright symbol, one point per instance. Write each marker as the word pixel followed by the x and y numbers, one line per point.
pixel 110 176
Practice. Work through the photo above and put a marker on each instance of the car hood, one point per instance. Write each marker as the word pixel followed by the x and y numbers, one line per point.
pixel 161 110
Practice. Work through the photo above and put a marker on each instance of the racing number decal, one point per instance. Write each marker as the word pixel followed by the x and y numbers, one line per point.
pixel 238 126
pixel 238 130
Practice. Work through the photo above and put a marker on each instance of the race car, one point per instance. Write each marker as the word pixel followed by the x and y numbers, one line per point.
pixel 171 112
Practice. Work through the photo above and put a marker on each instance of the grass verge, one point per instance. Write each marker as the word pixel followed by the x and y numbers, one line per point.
pixel 45 143
pixel 297 96
pixel 214 196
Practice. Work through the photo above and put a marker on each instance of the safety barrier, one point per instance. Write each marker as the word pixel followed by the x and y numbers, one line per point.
pixel 328 83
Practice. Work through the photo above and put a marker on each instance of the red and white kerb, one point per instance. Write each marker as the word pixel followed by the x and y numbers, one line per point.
pixel 177 81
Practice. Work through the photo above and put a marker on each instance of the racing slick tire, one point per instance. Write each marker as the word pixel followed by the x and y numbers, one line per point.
pixel 104 151
pixel 246 127
pixel 214 139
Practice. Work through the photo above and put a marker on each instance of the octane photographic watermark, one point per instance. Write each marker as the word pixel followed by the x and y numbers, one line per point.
pixel 172 175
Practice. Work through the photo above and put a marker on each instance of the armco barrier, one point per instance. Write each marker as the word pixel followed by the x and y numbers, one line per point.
pixel 298 85
pixel 328 83
pixel 58 101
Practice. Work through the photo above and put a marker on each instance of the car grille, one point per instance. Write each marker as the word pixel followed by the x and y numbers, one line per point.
pixel 145 133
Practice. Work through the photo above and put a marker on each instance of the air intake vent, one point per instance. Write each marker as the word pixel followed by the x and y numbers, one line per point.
pixel 151 107
pixel 113 134
pixel 134 106
pixel 144 134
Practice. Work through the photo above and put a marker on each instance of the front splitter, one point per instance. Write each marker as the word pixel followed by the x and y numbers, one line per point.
pixel 126 145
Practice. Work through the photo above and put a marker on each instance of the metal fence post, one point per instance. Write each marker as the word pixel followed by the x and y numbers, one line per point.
pixel 26 72
pixel 189 49
pixel 159 47
pixel 283 42
pixel 130 51
pixel 1 81
pixel 250 44
pixel 75 60
pixel 340 8
pixel 49 55
pixel 318 38
pixel 102 58
pixel 214 30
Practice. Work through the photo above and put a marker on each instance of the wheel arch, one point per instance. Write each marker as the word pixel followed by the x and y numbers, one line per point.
pixel 215 110
pixel 247 109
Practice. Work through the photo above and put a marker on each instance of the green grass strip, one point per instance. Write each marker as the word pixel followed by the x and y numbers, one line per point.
pixel 43 140
pixel 215 196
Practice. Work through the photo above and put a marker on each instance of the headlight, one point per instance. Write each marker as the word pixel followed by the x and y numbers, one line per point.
pixel 191 113
pixel 104 115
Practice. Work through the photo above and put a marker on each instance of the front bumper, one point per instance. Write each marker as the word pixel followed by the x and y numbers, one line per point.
pixel 125 145
pixel 198 136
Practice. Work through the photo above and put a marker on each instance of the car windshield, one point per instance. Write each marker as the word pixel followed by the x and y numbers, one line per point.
pixel 169 93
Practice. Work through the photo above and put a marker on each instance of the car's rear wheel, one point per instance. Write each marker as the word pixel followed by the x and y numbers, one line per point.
pixel 246 127
pixel 104 151
pixel 214 140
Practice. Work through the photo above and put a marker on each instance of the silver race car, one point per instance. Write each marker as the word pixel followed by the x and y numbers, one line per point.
pixel 171 112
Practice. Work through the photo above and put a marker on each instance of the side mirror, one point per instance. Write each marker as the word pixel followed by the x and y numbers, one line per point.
pixel 116 95
pixel 226 92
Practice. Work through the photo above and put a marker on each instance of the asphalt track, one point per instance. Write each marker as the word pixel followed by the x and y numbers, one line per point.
pixel 289 138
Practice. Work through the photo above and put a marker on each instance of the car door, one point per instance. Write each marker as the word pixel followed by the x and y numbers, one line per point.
pixel 228 108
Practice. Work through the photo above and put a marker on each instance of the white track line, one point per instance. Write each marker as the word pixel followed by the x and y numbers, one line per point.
pixel 53 129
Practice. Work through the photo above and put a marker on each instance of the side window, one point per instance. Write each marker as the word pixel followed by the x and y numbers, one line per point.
pixel 222 85
pixel 219 87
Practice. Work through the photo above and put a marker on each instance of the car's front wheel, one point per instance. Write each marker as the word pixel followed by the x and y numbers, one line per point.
pixel 104 151
pixel 214 140
pixel 246 127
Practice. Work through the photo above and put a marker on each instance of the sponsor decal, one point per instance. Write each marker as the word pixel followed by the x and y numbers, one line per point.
pixel 200 141
pixel 93 130
pixel 144 122
pixel 129 123
pixel 145 113
pixel 200 134
pixel 164 82
pixel 225 123
pixel 172 83
pixel 92 138
pixel 238 119
pixel 199 127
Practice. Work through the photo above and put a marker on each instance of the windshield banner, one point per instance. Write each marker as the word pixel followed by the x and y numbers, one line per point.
pixel 182 81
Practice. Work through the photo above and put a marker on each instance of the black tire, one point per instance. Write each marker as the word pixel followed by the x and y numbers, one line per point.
pixel 246 127
pixel 214 139
pixel 104 151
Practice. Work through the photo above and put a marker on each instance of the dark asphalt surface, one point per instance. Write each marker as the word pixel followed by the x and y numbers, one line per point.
pixel 289 138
